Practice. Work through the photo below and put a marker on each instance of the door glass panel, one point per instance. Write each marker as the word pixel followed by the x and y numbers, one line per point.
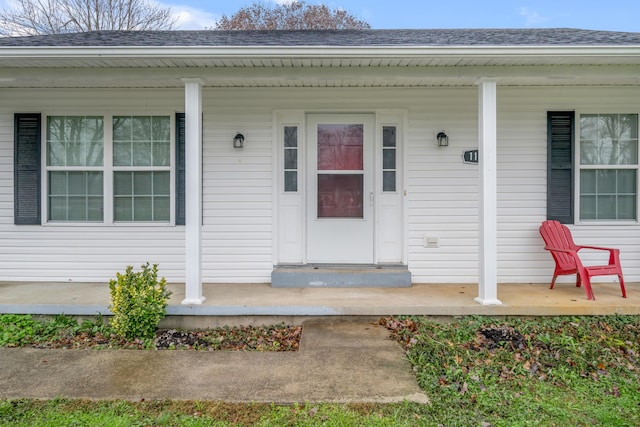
pixel 340 196
pixel 340 146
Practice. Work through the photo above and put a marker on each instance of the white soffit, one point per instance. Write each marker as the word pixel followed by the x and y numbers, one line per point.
pixel 317 66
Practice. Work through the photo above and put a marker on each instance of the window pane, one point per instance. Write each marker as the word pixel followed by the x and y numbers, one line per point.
pixel 588 207
pixel 121 128
pixel 57 208
pixel 609 139
pixel 75 196
pixel 142 208
pixel 291 159
pixel 123 208
pixel 388 181
pixel 161 183
pixel 142 196
pixel 57 183
pixel 76 182
pixel 627 152
pixel 290 136
pixel 588 181
pixel 161 209
pixel 606 208
pixel 142 153
pixel 122 183
pixel 94 136
pixel 589 152
pixel 142 183
pixel 94 208
pixel 606 181
pixel 56 152
pixel 389 136
pixel 627 181
pixel 77 208
pixel 291 181
pixel 340 147
pixel 142 141
pixel 161 128
pixel 122 153
pixel 94 183
pixel 141 128
pixel 608 194
pixel 389 159
pixel 340 196
pixel 626 207
pixel 75 141
pixel 161 153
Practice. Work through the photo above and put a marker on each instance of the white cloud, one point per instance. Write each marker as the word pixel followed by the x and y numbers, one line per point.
pixel 532 17
pixel 189 18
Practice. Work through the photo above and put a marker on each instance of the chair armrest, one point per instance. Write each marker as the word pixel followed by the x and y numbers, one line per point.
pixel 614 254
pixel 568 251
pixel 599 248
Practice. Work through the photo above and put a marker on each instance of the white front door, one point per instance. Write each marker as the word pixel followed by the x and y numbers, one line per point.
pixel 340 198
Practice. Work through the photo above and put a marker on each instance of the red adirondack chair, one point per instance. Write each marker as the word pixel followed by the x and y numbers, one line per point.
pixel 558 241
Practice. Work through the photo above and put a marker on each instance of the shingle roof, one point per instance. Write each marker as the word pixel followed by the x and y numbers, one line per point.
pixel 333 38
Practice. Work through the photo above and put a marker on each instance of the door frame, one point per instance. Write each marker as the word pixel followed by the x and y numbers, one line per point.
pixel 289 210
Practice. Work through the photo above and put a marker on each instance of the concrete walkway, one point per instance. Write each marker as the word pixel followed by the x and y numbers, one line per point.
pixel 337 362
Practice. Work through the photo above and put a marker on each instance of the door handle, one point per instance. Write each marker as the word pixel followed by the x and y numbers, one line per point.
pixel 371 199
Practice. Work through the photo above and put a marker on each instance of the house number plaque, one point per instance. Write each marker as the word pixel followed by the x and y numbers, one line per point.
pixel 470 157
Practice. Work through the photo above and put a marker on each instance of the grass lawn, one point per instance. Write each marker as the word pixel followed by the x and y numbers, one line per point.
pixel 477 371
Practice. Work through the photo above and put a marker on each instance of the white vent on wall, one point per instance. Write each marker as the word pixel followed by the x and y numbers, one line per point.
pixel 431 241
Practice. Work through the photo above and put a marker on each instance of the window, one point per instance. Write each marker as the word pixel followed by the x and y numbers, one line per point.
pixel 608 162
pixel 75 147
pixel 136 160
pixel 389 155
pixel 290 158
pixel 141 162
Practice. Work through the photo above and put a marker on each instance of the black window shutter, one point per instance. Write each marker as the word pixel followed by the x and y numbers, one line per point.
pixel 560 165
pixel 180 169
pixel 26 169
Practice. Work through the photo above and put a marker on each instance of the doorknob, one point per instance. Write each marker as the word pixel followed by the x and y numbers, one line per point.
pixel 371 199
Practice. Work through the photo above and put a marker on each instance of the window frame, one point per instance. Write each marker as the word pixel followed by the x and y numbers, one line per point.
pixel 579 167
pixel 108 169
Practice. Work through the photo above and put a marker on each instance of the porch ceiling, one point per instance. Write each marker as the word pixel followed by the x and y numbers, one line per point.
pixel 25 68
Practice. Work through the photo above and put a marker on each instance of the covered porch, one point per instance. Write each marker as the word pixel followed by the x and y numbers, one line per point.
pixel 251 303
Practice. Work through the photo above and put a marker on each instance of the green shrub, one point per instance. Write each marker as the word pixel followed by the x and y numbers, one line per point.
pixel 138 302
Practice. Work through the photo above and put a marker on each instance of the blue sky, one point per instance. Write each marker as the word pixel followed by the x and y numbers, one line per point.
pixel 613 15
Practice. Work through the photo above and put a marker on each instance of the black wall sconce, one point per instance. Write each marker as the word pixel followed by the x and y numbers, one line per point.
pixel 238 141
pixel 442 139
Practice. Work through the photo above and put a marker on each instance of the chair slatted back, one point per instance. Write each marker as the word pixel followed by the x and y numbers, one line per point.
pixel 556 235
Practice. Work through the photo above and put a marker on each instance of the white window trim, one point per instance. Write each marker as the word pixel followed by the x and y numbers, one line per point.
pixel 108 169
pixel 579 167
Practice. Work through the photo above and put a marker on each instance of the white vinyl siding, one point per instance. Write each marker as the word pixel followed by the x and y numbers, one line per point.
pixel 441 196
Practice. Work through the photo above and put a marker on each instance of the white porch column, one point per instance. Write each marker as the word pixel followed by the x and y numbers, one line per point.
pixel 193 191
pixel 488 276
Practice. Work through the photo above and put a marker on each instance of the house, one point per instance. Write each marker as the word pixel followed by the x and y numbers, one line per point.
pixel 226 157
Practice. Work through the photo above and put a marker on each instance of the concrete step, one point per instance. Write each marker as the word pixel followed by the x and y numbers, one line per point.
pixel 340 276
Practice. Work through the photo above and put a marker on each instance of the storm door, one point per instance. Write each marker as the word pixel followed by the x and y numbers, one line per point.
pixel 340 198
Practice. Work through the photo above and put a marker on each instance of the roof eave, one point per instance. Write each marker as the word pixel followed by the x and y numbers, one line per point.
pixel 65 52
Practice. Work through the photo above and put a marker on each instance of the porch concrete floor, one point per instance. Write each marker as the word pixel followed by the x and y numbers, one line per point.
pixel 254 300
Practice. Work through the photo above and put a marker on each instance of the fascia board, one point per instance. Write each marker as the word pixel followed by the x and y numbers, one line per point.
pixel 56 52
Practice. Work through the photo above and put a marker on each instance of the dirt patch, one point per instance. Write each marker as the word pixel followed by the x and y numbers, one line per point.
pixel 500 336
